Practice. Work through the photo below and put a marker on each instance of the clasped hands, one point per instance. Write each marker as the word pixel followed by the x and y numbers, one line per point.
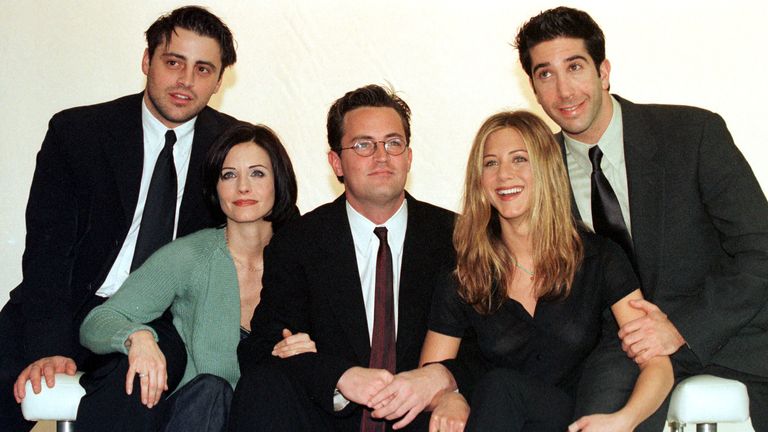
pixel 402 396
pixel 651 335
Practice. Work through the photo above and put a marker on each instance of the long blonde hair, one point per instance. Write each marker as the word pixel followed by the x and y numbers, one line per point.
pixel 483 260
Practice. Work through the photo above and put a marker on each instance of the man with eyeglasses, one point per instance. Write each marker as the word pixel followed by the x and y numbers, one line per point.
pixel 356 275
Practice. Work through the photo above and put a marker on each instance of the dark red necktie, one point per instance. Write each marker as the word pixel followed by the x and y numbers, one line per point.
pixel 606 212
pixel 383 340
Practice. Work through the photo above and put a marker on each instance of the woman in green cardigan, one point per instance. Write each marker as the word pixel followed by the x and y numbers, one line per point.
pixel 211 281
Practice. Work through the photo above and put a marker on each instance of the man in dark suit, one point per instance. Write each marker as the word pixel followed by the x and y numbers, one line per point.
pixel 322 277
pixel 89 192
pixel 685 206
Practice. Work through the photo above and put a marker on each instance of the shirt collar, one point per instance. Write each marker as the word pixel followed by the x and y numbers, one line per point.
pixel 611 143
pixel 362 228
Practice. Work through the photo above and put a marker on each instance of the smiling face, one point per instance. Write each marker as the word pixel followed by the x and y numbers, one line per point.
pixel 373 184
pixel 246 187
pixel 569 88
pixel 507 177
pixel 182 75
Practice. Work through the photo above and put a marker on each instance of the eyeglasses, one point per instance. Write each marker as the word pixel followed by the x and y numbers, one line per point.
pixel 367 147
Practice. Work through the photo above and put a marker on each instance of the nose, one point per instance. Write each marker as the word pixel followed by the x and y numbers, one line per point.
pixel 243 184
pixel 507 170
pixel 564 87
pixel 380 153
pixel 186 77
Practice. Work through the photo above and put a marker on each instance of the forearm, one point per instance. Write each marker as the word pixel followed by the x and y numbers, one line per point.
pixel 651 388
pixel 444 383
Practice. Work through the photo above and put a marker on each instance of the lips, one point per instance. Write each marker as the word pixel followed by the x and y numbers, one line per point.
pixel 245 203
pixel 571 110
pixel 180 98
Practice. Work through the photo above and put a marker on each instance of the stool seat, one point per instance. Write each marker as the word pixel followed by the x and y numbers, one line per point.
pixel 59 403
pixel 708 399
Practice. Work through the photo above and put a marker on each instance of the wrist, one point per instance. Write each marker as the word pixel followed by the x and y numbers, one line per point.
pixel 137 337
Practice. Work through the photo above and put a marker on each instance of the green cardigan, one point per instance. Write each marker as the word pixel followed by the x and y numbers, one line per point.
pixel 196 277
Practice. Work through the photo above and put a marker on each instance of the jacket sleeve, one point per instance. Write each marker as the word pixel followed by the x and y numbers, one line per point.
pixel 51 219
pixel 735 290
pixel 284 304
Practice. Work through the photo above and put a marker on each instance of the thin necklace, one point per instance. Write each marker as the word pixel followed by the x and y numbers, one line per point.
pixel 237 261
pixel 530 273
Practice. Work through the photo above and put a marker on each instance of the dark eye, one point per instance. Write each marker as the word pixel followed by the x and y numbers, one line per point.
pixel 226 175
pixel 204 70
pixel 257 173
pixel 490 163
pixel 394 143
pixel 519 159
pixel 576 67
pixel 544 74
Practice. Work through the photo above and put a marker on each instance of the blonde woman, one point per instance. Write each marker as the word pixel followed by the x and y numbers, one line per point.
pixel 532 286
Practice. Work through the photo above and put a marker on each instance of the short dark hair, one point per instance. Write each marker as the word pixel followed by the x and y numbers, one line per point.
pixel 371 95
pixel 198 20
pixel 556 23
pixel 284 209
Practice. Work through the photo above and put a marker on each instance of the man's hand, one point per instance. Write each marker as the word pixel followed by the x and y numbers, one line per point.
pixel 360 384
pixel 146 360
pixel 47 367
pixel 651 335
pixel 293 344
pixel 450 414
pixel 410 392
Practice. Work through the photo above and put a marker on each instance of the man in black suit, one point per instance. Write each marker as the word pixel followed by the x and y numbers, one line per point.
pixel 90 190
pixel 694 219
pixel 320 278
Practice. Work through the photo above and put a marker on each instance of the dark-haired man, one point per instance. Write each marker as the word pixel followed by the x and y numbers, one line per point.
pixel 93 188
pixel 356 275
pixel 670 186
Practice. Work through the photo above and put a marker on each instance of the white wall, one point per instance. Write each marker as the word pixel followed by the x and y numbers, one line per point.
pixel 451 61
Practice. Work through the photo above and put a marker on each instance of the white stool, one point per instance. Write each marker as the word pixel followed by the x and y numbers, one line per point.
pixel 706 400
pixel 58 403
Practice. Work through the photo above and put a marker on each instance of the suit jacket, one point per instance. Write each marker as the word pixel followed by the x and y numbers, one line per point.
pixel 699 231
pixel 311 284
pixel 83 196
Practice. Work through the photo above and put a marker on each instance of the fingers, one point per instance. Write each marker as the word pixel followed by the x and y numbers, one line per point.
pixel 19 392
pixel 286 333
pixel 644 305
pixel 405 421
pixel 292 345
pixel 577 425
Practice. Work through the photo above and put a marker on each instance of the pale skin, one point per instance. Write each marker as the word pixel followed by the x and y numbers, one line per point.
pixel 574 92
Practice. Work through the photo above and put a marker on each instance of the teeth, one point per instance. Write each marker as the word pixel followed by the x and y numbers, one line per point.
pixel 182 96
pixel 510 191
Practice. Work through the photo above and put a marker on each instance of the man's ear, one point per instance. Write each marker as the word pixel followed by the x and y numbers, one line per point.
pixel 605 74
pixel 335 161
pixel 145 61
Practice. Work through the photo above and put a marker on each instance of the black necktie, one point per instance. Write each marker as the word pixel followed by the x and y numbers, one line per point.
pixel 160 208
pixel 606 212
pixel 383 339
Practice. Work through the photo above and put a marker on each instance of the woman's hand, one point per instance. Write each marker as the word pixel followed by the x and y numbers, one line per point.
pixel 450 414
pixel 602 423
pixel 147 361
pixel 293 344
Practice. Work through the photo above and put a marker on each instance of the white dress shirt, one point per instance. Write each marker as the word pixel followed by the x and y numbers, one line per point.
pixel 613 166
pixel 154 141
pixel 366 249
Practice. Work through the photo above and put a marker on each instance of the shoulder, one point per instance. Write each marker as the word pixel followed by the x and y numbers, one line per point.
pixel 210 117
pixel 190 251
pixel 429 215
pixel 679 116
pixel 88 114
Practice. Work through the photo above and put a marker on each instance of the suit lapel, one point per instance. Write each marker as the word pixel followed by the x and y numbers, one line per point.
pixel 645 181
pixel 206 131
pixel 410 312
pixel 123 147
pixel 345 293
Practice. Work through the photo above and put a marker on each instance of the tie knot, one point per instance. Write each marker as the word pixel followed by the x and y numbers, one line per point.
pixel 170 138
pixel 596 156
pixel 381 233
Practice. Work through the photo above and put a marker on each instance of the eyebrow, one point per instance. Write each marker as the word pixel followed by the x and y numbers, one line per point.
pixel 569 59
pixel 252 166
pixel 510 152
pixel 387 136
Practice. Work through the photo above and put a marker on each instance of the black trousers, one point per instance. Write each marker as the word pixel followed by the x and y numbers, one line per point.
pixel 609 377
pixel 268 398
pixel 504 400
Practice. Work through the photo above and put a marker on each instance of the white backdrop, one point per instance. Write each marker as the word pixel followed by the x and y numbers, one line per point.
pixel 451 61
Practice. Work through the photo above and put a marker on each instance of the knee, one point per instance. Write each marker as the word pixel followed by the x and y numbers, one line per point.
pixel 499 382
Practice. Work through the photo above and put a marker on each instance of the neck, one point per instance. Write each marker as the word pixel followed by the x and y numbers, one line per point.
pixel 518 241
pixel 248 239
pixel 377 212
